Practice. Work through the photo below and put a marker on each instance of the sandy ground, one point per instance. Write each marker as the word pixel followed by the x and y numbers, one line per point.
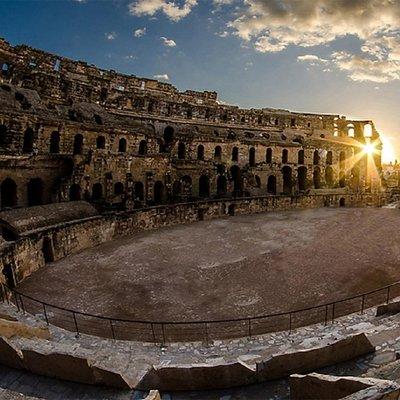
pixel 235 267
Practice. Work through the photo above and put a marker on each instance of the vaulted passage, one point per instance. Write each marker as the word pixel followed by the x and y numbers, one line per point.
pixel 97 191
pixel 8 193
pixel 78 144
pixel 8 274
pixel 317 178
pixel 75 192
pixel 55 142
pixel 221 185
pixel 204 186
pixel 302 178
pixel 35 192
pixel 28 141
pixel 138 191
pixel 236 176
pixel 158 192
pixel 271 184
pixel 287 180
pixel 329 176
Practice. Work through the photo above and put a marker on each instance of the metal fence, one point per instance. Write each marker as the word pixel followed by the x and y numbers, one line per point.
pixel 169 331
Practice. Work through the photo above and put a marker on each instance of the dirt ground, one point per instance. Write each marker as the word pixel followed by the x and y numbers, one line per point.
pixel 235 267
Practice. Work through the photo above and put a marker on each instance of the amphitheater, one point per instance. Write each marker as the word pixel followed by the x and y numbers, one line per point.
pixel 158 244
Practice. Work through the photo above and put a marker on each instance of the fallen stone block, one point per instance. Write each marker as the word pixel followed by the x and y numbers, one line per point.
pixel 198 377
pixel 390 308
pixel 328 387
pixel 110 378
pixel 10 355
pixel 306 360
pixel 9 329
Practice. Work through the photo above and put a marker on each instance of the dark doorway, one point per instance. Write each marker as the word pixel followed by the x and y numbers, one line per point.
pixel 55 142
pixel 329 158
pixel 138 191
pixel 231 210
pixel 8 273
pixel 217 153
pixel 78 144
pixel 8 193
pixel 75 192
pixel 271 184
pixel 28 141
pixel 302 178
pixel 122 145
pixel 329 177
pixel 300 157
pixel 342 202
pixel 204 186
pixel 200 152
pixel 268 156
pixel 35 192
pixel 221 185
pixel 181 151
pixel 342 179
pixel 142 148
pixel 285 156
pixel 47 249
pixel 158 192
pixel 317 178
pixel 97 191
pixel 235 154
pixel 237 180
pixel 287 180
pixel 168 137
pixel 316 157
pixel 101 142
pixel 252 157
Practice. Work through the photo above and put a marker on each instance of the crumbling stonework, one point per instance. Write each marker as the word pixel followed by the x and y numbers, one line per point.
pixel 71 131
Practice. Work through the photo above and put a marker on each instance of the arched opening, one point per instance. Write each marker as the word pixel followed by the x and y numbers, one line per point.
pixel 231 210
pixel 287 180
pixel 221 185
pixel 35 192
pixel 177 189
pixel 342 202
pixel 158 192
pixel 355 177
pixel 142 148
pixel 258 181
pixel 28 141
pixel 204 186
pixel 217 153
pixel 302 178
pixel 122 145
pixel 342 179
pixel 300 157
pixel 74 192
pixel 329 177
pixel 252 157
pixel 55 142
pixel 168 137
pixel 329 158
pixel 8 273
pixel 342 159
pixel 271 184
pixel 237 180
pixel 3 134
pixel 8 193
pixel 367 131
pixel 285 156
pixel 47 250
pixel 138 191
pixel 101 142
pixel 78 144
pixel 118 188
pixel 200 152
pixel 97 191
pixel 350 130
pixel 316 157
pixel 317 178
pixel 235 154
pixel 268 156
pixel 181 151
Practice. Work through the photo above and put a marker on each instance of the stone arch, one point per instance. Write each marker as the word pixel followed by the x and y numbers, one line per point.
pixel 317 178
pixel 316 157
pixel 200 152
pixel 159 192
pixel 355 177
pixel 342 202
pixel 271 184
pixel 285 156
pixel 287 180
pixel 168 136
pixel 119 188
pixel 8 193
pixel 302 178
pixel 342 179
pixel 342 160
pixel 204 186
pixel 300 157
pixel 143 148
pixel 221 185
pixel 252 157
pixel 138 191
pixel 181 151
pixel 122 145
pixel 217 153
pixel 329 176
pixel 97 191
pixel 47 250
pixel 78 144
pixel 55 142
pixel 235 154
pixel 236 175
pixel 329 158
pixel 101 142
pixel 29 136
pixel 3 134
pixel 35 192
pixel 74 192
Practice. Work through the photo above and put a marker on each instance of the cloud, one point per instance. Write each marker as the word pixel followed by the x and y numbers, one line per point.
pixel 162 77
pixel 139 32
pixel 223 34
pixel 168 42
pixel 272 26
pixel 110 35
pixel 171 9
pixel 312 59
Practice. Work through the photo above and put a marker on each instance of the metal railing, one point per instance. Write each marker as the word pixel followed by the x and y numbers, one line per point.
pixel 171 331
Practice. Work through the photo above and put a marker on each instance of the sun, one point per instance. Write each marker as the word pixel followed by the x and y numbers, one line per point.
pixel 369 148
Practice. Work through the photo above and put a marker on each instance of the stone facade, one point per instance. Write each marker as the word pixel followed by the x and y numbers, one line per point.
pixel 71 131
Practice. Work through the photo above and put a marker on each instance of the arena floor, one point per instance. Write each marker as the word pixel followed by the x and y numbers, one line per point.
pixel 234 267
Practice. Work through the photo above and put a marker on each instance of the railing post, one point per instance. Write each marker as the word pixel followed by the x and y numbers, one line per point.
pixel 22 304
pixel 153 333
pixel 112 329
pixel 290 323
pixel 45 313
pixel 76 324
pixel 250 328
pixel 206 330
pixel 388 295
pixel 362 304
pixel 326 314
pixel 333 312
pixel 16 300
pixel 163 333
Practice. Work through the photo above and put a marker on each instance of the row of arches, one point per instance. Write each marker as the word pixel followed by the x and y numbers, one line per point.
pixel 9 193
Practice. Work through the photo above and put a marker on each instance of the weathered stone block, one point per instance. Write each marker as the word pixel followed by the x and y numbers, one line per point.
pixel 9 329
pixel 391 308
pixel 10 355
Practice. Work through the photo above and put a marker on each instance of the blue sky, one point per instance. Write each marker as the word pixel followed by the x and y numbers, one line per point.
pixel 328 56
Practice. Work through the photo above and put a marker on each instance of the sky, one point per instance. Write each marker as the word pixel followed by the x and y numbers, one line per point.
pixel 323 56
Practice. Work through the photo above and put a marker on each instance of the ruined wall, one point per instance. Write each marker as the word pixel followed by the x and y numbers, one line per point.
pixel 70 131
